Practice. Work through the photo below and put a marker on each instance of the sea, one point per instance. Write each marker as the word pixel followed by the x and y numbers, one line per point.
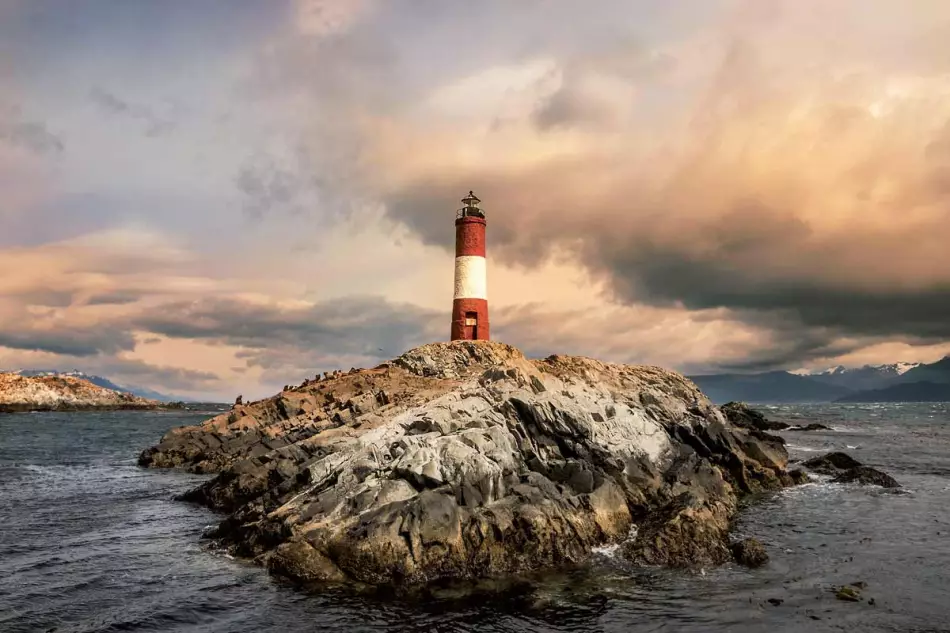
pixel 91 542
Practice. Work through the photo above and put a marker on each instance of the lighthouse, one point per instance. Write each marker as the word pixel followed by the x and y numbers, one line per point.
pixel 470 304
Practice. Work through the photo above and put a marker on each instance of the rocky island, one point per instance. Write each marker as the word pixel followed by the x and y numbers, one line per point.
pixel 466 460
pixel 63 393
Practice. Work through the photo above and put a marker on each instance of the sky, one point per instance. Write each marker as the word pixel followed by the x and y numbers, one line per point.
pixel 221 197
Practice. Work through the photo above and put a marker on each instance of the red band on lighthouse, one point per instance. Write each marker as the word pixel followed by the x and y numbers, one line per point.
pixel 470 302
pixel 470 236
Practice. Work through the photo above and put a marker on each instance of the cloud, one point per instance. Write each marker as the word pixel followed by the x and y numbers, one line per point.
pixel 739 184
pixel 328 17
pixel 113 298
pixel 806 194
pixel 296 340
pixel 139 373
pixel 68 340
pixel 155 125
pixel 30 135
pixel 126 372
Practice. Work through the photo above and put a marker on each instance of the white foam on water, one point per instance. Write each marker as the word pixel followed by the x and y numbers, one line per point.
pixel 804 449
pixel 610 551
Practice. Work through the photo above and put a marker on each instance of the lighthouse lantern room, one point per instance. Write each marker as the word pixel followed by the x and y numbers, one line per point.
pixel 470 304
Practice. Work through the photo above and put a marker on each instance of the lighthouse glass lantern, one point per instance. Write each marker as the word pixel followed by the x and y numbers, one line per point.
pixel 470 207
pixel 470 303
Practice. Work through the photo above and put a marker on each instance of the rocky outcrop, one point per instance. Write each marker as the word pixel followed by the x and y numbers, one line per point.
pixel 814 426
pixel 63 393
pixel 750 552
pixel 866 476
pixel 831 463
pixel 845 469
pixel 465 460
pixel 746 417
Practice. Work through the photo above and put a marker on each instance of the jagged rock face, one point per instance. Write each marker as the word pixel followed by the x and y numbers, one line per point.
pixel 62 393
pixel 464 460
pixel 740 414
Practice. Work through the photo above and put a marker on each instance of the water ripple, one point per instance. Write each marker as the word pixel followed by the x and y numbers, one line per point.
pixel 89 542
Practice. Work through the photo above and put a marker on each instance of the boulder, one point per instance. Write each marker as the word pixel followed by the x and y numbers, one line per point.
pixel 743 416
pixel 867 476
pixel 750 553
pixel 831 463
pixel 846 469
pixel 465 460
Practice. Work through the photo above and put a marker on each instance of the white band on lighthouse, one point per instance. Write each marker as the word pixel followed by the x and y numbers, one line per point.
pixel 471 277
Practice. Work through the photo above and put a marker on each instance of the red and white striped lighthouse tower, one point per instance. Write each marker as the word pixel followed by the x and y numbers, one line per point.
pixel 470 306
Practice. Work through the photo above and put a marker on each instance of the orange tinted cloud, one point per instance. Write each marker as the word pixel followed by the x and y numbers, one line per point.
pixel 775 175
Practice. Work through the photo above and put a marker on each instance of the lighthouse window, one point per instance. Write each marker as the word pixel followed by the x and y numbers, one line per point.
pixel 471 318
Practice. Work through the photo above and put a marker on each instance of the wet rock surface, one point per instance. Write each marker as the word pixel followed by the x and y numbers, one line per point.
pixel 814 426
pixel 465 460
pixel 750 553
pixel 846 469
pixel 831 463
pixel 867 476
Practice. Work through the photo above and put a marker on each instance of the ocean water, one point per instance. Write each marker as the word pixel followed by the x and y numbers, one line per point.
pixel 91 542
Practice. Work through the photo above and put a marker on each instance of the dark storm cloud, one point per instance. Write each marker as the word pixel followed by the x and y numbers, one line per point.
pixel 767 208
pixel 70 341
pixel 762 265
pixel 367 326
pixel 290 344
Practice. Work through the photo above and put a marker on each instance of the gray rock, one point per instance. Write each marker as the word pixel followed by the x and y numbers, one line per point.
pixel 475 462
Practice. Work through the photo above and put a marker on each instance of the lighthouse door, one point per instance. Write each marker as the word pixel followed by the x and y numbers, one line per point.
pixel 471 326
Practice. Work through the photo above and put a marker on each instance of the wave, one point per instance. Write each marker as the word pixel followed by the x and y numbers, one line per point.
pixel 804 449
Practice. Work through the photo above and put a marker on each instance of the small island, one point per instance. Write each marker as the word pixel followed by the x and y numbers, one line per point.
pixel 465 460
pixel 64 393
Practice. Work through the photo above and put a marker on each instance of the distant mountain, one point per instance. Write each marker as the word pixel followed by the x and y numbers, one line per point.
pixel 864 378
pixel 922 391
pixel 896 382
pixel 773 386
pixel 938 372
pixel 45 392
pixel 100 382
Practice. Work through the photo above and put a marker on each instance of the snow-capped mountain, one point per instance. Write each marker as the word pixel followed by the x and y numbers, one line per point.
pixel 871 383
pixel 867 377
pixel 892 369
